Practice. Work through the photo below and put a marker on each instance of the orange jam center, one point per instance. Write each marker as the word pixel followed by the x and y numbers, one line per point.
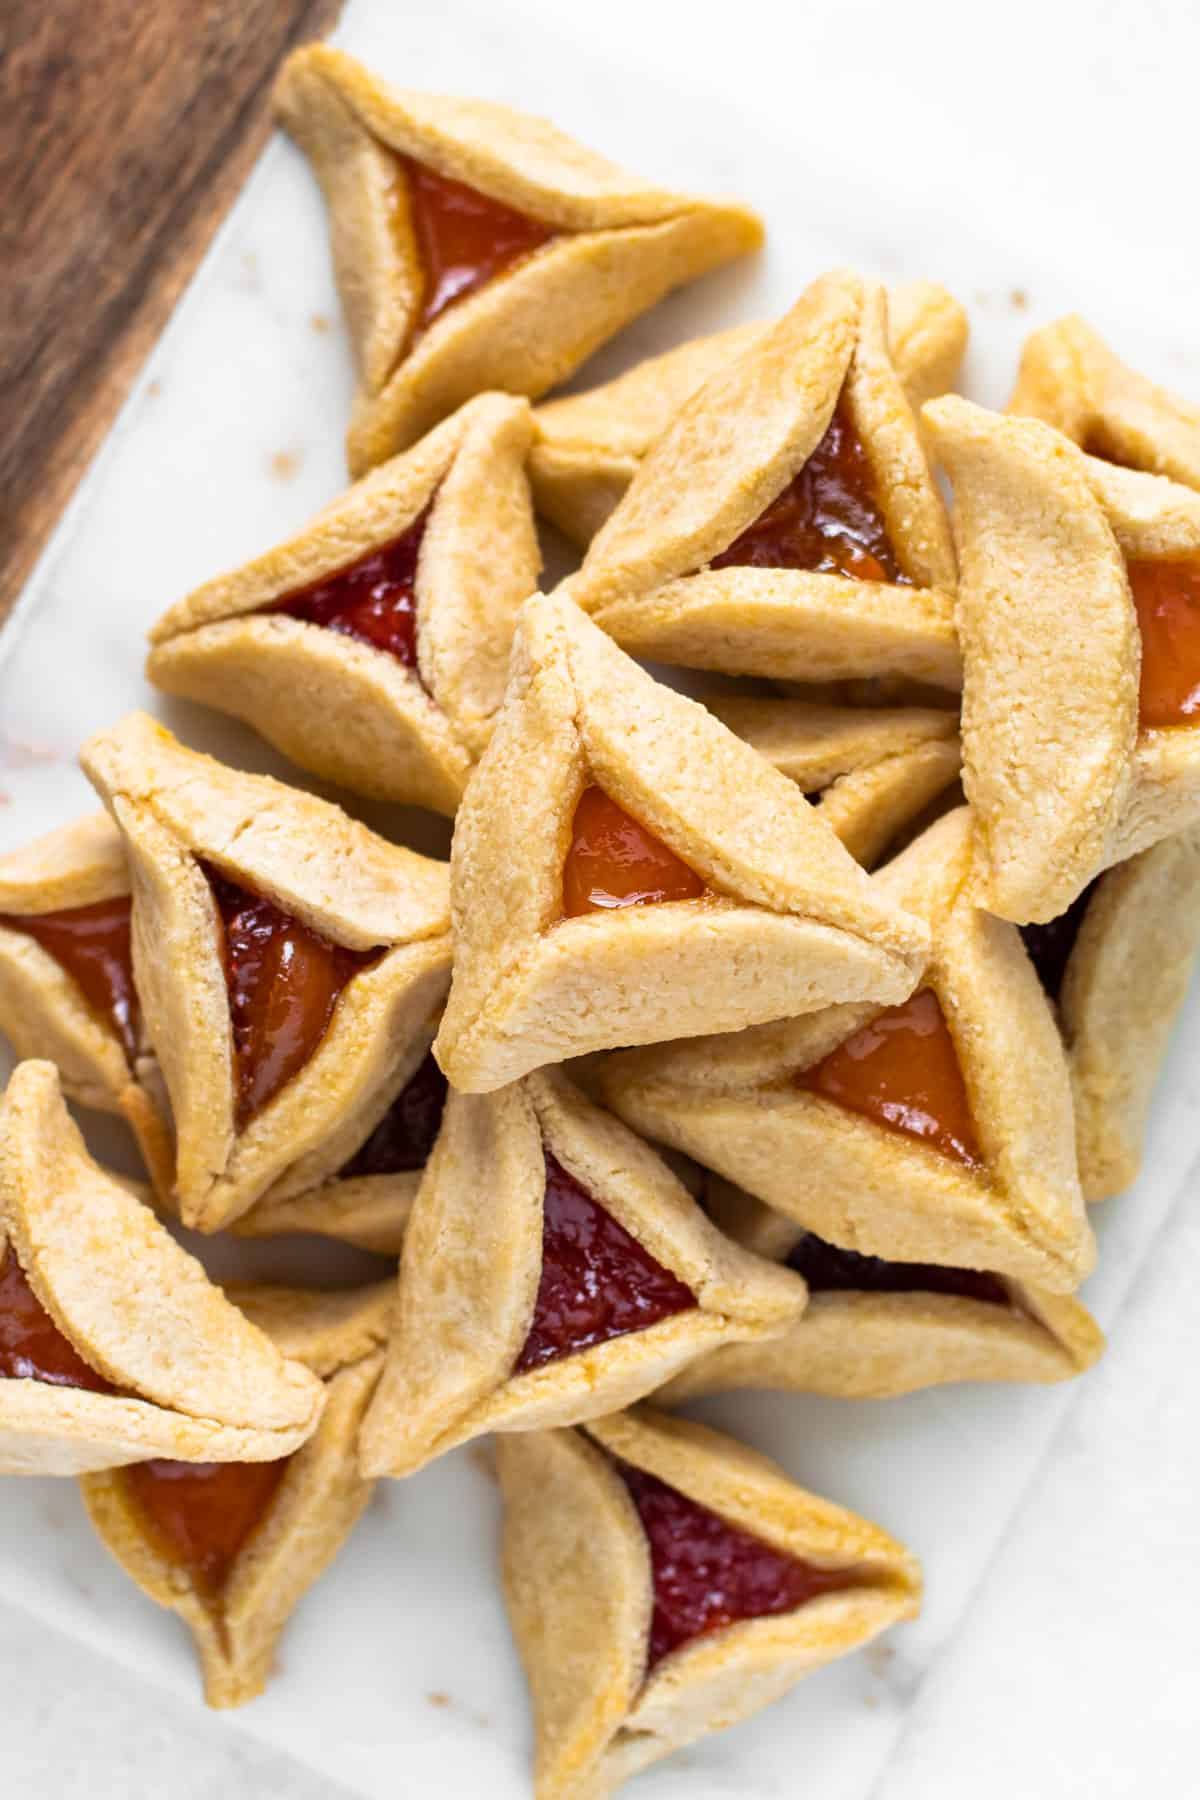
pixel 826 519
pixel 902 1070
pixel 284 981
pixel 32 1348
pixel 1167 598
pixel 92 943
pixel 202 1514
pixel 373 600
pixel 615 861
pixel 464 238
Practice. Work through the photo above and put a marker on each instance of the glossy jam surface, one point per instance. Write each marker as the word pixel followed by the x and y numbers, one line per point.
pixel 464 238
pixel 826 519
pixel 202 1514
pixel 827 1268
pixel 284 982
pixel 614 861
pixel 374 600
pixel 902 1071
pixel 405 1136
pixel 597 1281
pixel 1050 945
pixel 1167 598
pixel 32 1348
pixel 708 1574
pixel 92 944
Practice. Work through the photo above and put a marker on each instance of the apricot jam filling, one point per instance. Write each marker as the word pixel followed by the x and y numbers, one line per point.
pixel 828 1269
pixel 902 1071
pixel 92 944
pixel 464 238
pixel 284 981
pixel 373 600
pixel 405 1136
pixel 615 861
pixel 1049 946
pixel 597 1281
pixel 708 1574
pixel 1166 596
pixel 202 1514
pixel 32 1348
pixel 827 519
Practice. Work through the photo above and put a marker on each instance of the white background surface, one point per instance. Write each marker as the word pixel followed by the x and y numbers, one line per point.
pixel 1034 157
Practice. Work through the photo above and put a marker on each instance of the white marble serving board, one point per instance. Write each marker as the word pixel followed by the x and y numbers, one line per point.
pixel 1035 168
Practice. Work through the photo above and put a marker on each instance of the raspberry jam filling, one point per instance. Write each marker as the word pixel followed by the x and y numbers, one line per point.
pixel 464 238
pixel 902 1071
pixel 615 861
pixel 1049 946
pixel 708 1574
pixel 407 1132
pixel 92 944
pixel 32 1348
pixel 597 1280
pixel 284 982
pixel 203 1514
pixel 827 518
pixel 1166 596
pixel 373 600
pixel 828 1269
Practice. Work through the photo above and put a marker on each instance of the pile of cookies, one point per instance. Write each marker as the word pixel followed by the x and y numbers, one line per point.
pixel 776 1037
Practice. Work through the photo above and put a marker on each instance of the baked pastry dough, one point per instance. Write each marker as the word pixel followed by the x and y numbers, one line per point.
pixel 786 522
pixel 589 1277
pixel 1072 380
pixel 289 964
pixel 1077 745
pixel 873 1329
pixel 758 913
pixel 233 1548
pixel 1117 966
pixel 114 1344
pixel 626 1658
pixel 588 446
pixel 872 772
pixel 373 648
pixel 959 1101
pixel 66 978
pixel 548 251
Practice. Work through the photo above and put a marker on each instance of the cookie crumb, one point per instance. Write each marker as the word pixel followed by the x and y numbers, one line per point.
pixel 320 323
pixel 438 1699
pixel 1018 299
pixel 285 464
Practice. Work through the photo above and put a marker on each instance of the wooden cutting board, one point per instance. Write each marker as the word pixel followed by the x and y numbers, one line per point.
pixel 126 129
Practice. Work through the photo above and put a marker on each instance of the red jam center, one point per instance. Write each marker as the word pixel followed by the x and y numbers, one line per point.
pixel 826 519
pixel 902 1070
pixel 464 238
pixel 203 1513
pixel 708 1574
pixel 1167 598
pixel 284 981
pixel 597 1280
pixel 92 944
pixel 615 861
pixel 826 1268
pixel 1049 946
pixel 405 1136
pixel 374 600
pixel 32 1348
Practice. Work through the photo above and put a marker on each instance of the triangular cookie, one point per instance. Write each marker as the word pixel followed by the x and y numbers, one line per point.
pixel 874 1328
pixel 786 522
pixel 1079 618
pixel 66 978
pixel 1072 380
pixel 939 1131
pixel 373 648
pixel 664 1581
pixel 589 446
pixel 232 1548
pixel 287 959
pixel 477 247
pixel 114 1344
pixel 588 1278
pixel 620 791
